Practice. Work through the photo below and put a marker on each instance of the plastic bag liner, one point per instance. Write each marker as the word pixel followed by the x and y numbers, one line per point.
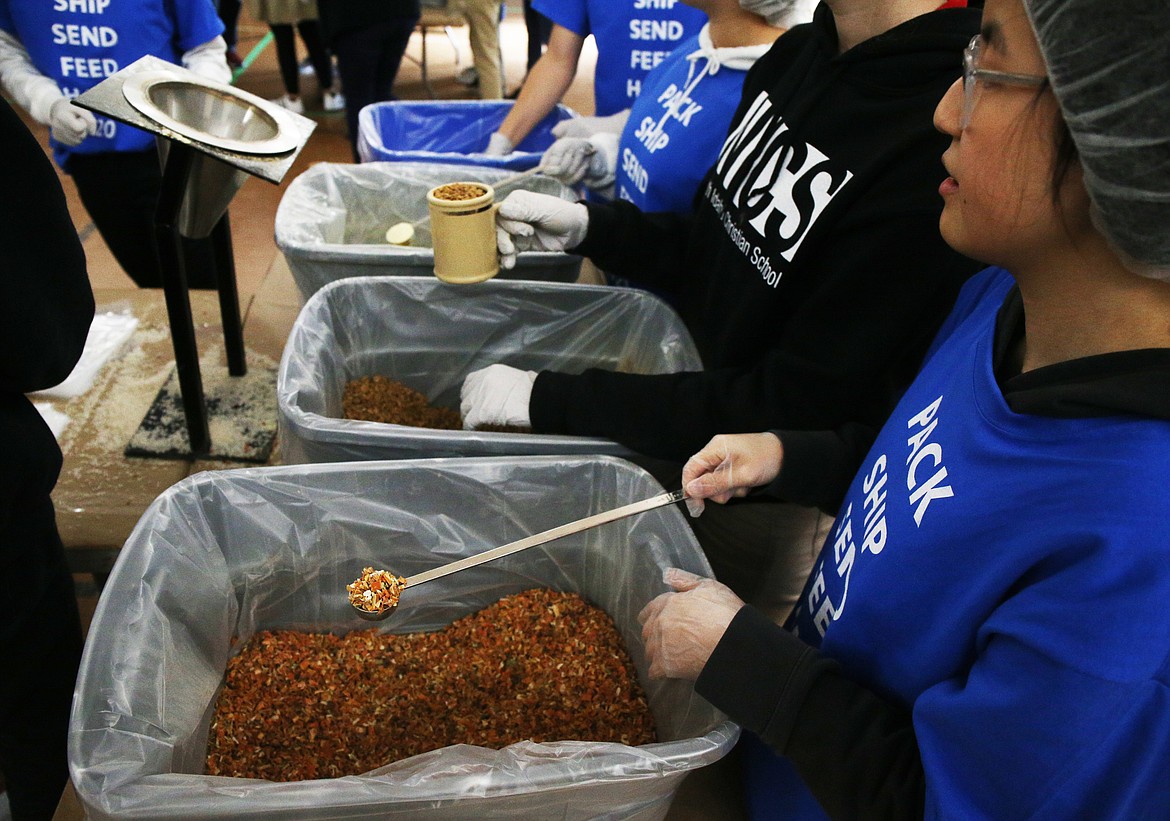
pixel 332 222
pixel 225 554
pixel 449 131
pixel 429 335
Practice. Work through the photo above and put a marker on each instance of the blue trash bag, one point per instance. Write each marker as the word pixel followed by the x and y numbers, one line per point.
pixel 448 131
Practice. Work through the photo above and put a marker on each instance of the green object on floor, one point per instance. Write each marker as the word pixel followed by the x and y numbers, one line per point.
pixel 252 55
pixel 241 418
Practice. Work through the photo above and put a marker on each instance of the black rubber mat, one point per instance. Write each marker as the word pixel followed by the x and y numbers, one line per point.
pixel 241 417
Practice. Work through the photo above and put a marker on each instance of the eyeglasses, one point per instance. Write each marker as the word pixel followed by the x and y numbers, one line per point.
pixel 972 74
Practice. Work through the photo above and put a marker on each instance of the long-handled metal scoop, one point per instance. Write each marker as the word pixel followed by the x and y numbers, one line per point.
pixel 529 541
pixel 401 233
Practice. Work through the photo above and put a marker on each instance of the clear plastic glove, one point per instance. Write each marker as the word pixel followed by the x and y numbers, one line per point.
pixel 496 395
pixel 70 124
pixel 528 221
pixel 498 145
pixel 731 465
pixel 680 629
pixel 588 126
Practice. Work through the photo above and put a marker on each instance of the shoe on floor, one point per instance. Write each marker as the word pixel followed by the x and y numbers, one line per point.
pixel 468 77
pixel 233 58
pixel 333 101
pixel 293 104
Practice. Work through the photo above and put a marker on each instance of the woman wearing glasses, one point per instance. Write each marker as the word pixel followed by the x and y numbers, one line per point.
pixel 985 633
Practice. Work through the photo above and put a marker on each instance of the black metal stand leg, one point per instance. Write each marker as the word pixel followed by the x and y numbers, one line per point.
pixel 178 301
pixel 229 298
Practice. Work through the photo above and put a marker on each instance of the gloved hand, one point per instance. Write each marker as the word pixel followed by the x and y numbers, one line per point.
pixel 731 465
pixel 496 395
pixel 209 60
pixel 528 221
pixel 588 126
pixel 573 159
pixel 567 159
pixel 498 145
pixel 680 629
pixel 70 124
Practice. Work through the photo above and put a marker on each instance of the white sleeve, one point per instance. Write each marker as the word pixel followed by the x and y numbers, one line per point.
pixel 209 60
pixel 32 91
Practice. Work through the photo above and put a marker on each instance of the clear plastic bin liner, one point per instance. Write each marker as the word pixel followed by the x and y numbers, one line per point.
pixel 332 222
pixel 430 335
pixel 224 554
pixel 449 131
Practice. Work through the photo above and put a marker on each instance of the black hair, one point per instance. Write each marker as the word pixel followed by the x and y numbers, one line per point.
pixel 1066 154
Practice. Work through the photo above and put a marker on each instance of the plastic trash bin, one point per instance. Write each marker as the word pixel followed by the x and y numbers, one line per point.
pixel 429 335
pixel 448 131
pixel 224 554
pixel 332 222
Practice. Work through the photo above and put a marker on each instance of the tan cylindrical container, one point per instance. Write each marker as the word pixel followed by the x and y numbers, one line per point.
pixel 463 232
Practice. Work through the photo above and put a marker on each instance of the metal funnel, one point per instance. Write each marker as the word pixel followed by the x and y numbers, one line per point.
pixel 210 114
pixel 235 134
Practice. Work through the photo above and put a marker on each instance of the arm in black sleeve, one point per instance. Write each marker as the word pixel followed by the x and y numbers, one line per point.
pixel 844 356
pixel 855 751
pixel 649 249
pixel 47 305
pixel 818 466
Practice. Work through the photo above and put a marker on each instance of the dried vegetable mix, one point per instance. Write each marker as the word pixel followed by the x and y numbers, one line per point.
pixel 457 191
pixel 379 399
pixel 375 591
pixel 538 665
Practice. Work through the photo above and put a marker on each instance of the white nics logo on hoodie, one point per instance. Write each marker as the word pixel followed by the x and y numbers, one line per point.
pixel 782 186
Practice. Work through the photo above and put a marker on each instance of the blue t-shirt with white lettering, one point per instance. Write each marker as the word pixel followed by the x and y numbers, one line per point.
pixel 78 43
pixel 632 36
pixel 677 126
pixel 1005 576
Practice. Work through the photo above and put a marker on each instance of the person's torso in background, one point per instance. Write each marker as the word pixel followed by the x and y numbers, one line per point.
pixel 632 36
pixel 79 43
pixel 678 124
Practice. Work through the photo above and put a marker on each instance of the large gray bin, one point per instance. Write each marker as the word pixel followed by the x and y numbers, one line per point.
pixel 430 335
pixel 222 555
pixel 332 221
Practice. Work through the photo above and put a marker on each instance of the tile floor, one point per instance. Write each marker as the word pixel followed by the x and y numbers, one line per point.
pixel 269 303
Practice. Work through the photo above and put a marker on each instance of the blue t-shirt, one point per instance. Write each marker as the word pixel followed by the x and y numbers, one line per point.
pixel 1006 576
pixel 678 124
pixel 632 36
pixel 78 43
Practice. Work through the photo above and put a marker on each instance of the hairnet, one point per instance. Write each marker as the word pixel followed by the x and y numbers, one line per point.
pixel 773 11
pixel 1109 63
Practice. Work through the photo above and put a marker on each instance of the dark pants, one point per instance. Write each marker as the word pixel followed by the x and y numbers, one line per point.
pixel 40 649
pixel 539 30
pixel 368 60
pixel 229 13
pixel 286 54
pixel 120 192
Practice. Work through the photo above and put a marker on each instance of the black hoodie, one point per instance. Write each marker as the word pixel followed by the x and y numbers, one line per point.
pixel 811 272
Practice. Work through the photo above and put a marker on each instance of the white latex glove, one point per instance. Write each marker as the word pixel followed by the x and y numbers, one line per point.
pixel 70 124
pixel 496 395
pixel 209 60
pixel 567 159
pixel 588 126
pixel 573 159
pixel 731 465
pixel 680 629
pixel 31 89
pixel 528 221
pixel 498 145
